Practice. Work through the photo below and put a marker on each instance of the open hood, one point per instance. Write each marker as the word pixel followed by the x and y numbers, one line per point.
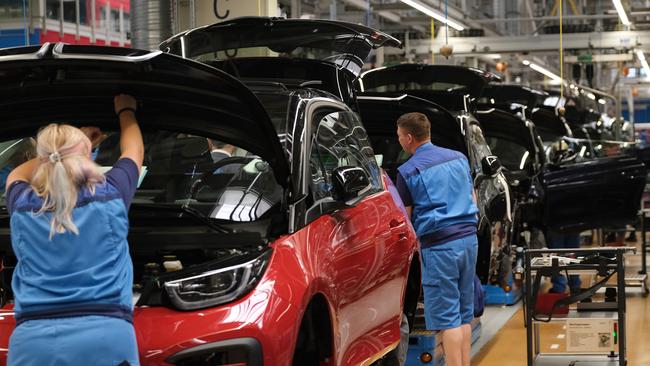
pixel 549 125
pixel 76 84
pixel 380 111
pixel 506 126
pixel 510 97
pixel 342 43
pixel 443 84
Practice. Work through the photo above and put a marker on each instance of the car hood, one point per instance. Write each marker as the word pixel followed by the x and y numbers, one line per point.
pixel 415 79
pixel 547 120
pixel 282 36
pixel 75 84
pixel 503 96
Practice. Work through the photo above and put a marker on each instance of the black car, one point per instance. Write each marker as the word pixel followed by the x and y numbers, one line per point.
pixel 569 193
pixel 448 96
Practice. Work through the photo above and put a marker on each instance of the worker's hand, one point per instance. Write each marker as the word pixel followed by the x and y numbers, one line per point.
pixel 124 101
pixel 95 135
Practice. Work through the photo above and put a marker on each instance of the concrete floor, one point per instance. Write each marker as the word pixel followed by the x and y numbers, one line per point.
pixel 507 346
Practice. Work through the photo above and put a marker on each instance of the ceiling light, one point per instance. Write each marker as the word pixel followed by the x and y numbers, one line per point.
pixel 643 61
pixel 602 101
pixel 526 62
pixel 432 13
pixel 621 12
pixel 542 70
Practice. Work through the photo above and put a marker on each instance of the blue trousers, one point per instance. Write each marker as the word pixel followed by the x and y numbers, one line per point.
pixel 563 241
pixel 83 340
pixel 448 272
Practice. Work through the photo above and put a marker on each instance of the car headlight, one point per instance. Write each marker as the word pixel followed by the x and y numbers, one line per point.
pixel 217 286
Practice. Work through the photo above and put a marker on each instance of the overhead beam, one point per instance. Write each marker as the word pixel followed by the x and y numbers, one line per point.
pixel 541 43
pixel 363 5
pixel 614 57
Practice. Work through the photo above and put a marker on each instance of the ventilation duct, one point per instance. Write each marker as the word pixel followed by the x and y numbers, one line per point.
pixel 150 23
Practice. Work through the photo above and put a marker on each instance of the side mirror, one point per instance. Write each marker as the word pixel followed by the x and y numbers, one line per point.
pixel 490 165
pixel 349 182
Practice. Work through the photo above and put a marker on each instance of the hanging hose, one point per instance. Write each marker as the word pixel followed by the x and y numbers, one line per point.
pixel 561 55
pixel 433 32
pixel 447 21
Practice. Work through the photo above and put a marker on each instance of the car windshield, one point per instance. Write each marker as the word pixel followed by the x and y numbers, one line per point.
pixel 211 177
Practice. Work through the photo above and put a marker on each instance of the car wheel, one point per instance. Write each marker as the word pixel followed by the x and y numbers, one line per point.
pixel 314 342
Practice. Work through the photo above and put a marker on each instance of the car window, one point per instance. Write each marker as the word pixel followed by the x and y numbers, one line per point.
pixel 339 140
pixel 512 155
pixel 220 180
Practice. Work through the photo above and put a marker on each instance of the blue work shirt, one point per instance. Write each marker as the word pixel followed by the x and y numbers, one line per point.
pixel 71 275
pixel 437 183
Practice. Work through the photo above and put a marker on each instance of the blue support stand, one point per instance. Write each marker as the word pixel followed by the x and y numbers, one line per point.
pixel 495 295
pixel 426 342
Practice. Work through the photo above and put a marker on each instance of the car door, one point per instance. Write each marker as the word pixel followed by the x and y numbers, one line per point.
pixel 367 238
pixel 601 192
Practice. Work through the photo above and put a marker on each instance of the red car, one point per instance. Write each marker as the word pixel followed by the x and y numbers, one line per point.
pixel 262 231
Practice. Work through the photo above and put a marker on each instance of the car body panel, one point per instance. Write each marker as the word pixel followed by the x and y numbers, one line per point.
pixel 576 195
pixel 73 81
pixel 291 73
pixel 602 192
pixel 350 43
pixel 445 85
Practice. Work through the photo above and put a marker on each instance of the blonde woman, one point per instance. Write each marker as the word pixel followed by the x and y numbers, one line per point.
pixel 69 224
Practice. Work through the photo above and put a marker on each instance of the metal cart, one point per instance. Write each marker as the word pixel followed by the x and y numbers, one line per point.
pixel 605 261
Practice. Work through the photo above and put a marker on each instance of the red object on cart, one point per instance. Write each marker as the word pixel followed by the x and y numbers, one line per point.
pixel 545 302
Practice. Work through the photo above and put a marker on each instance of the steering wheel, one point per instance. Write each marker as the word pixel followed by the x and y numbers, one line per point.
pixel 204 179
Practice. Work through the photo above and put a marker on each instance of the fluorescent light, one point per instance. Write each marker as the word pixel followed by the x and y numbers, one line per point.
pixel 643 61
pixel 542 70
pixel 621 12
pixel 432 13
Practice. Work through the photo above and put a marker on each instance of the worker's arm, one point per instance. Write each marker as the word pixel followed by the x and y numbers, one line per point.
pixel 405 195
pixel 131 144
pixel 24 172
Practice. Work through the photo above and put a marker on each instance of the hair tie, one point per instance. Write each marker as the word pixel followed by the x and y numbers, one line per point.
pixel 55 157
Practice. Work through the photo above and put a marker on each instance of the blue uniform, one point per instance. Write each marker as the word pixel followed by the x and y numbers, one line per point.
pixel 73 293
pixel 437 183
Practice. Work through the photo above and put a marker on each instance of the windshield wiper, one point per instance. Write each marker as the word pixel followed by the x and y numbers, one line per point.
pixel 181 210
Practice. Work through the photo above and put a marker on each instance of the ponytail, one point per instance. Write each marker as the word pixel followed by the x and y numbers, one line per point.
pixel 66 167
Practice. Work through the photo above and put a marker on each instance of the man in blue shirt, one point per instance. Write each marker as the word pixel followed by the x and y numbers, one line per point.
pixel 436 187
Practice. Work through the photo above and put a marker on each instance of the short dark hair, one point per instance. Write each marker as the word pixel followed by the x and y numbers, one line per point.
pixel 416 124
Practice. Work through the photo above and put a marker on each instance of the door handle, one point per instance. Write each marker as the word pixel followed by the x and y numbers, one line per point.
pixel 395 223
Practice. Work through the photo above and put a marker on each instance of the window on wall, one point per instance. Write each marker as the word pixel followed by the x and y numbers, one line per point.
pixel 127 25
pixel 115 20
pixel 53 9
pixel 11 9
pixel 103 18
